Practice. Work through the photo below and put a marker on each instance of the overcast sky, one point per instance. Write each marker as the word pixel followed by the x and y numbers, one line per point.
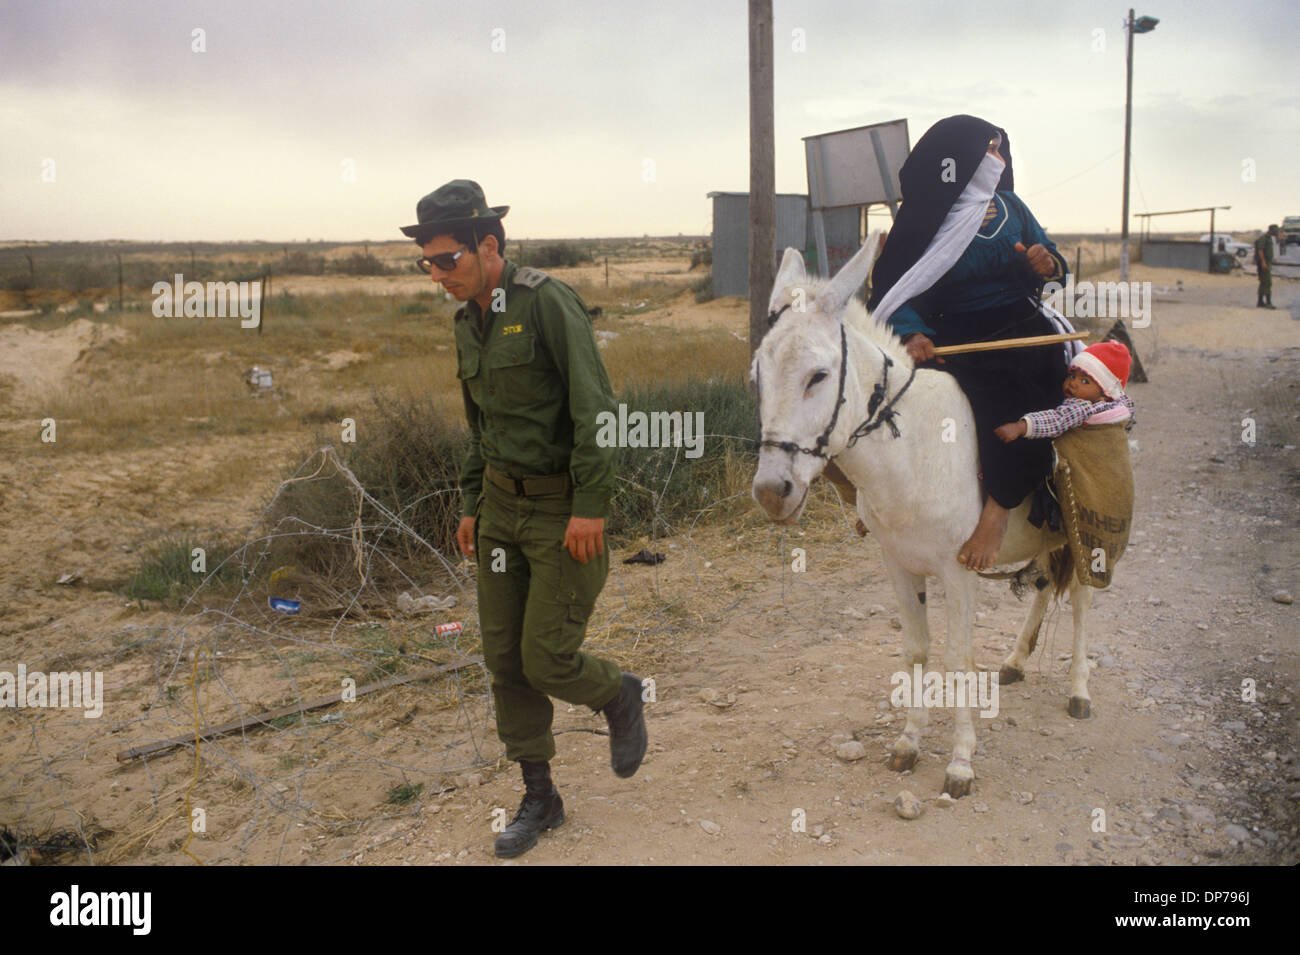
pixel 251 139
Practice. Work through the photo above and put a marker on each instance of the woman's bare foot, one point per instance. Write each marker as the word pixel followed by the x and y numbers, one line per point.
pixel 980 551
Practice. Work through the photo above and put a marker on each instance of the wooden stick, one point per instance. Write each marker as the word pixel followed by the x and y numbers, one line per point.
pixel 1009 343
pixel 263 719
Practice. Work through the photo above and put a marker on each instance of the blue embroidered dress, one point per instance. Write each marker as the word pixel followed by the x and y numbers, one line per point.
pixel 989 273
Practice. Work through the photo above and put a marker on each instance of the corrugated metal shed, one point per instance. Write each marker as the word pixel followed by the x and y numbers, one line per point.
pixel 1175 254
pixel 731 237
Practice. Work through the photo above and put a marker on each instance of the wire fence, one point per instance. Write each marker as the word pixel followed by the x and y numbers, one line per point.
pixel 284 715
pixel 250 730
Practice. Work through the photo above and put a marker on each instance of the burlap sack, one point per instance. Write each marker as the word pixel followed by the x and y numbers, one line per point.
pixel 1094 484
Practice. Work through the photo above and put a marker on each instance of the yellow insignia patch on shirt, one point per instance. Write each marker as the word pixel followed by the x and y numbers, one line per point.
pixel 511 329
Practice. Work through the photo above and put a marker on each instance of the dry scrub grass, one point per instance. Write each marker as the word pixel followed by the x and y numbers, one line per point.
pixel 175 380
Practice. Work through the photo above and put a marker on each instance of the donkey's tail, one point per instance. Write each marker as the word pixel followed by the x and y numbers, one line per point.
pixel 1060 564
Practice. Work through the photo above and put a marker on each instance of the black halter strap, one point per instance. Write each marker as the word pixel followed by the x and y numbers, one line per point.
pixel 887 414
pixel 876 413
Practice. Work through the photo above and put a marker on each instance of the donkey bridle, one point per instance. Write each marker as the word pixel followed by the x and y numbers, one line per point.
pixel 877 413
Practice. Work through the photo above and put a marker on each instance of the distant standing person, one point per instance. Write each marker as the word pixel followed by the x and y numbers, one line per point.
pixel 1264 265
pixel 537 487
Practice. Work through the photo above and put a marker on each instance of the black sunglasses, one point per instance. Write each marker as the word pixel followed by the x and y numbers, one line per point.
pixel 445 261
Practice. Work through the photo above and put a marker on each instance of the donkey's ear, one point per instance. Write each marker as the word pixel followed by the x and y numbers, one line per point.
pixel 850 278
pixel 791 272
pixel 792 268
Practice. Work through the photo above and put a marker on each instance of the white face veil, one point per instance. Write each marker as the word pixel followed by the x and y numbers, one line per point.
pixel 954 235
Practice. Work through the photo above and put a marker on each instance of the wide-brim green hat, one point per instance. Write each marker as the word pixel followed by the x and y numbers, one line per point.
pixel 459 202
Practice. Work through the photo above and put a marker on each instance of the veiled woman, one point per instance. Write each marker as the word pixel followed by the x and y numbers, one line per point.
pixel 964 262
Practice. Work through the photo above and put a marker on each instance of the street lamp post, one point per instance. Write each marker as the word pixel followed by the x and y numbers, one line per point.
pixel 1131 26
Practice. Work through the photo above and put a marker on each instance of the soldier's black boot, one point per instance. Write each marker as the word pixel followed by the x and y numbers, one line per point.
pixel 541 809
pixel 627 733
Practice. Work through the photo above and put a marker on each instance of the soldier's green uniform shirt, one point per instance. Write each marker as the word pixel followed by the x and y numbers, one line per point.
pixel 533 385
pixel 1264 248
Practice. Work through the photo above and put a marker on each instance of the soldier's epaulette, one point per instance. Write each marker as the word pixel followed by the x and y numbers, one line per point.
pixel 529 277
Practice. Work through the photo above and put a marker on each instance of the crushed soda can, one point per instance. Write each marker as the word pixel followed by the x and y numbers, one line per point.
pixel 449 629
pixel 284 605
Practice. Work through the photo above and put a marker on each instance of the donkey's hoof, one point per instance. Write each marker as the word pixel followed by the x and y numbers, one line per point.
pixel 956 783
pixel 902 760
pixel 1080 707
pixel 1009 675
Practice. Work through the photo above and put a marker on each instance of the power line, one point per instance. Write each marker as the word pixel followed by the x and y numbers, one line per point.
pixel 1076 175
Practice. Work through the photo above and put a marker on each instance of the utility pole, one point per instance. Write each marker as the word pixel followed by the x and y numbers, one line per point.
pixel 1128 134
pixel 762 169
pixel 1131 26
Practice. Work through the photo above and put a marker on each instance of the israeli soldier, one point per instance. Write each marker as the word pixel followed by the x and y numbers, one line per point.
pixel 1264 265
pixel 536 488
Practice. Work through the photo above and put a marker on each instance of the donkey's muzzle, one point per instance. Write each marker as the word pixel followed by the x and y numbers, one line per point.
pixel 779 498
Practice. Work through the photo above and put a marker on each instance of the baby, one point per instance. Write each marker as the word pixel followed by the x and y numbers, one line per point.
pixel 1094 394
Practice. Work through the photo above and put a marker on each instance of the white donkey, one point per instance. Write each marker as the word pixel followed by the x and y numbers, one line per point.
pixel 835 384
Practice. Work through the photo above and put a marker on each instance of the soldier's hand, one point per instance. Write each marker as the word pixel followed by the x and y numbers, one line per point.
pixel 585 537
pixel 1039 259
pixel 465 536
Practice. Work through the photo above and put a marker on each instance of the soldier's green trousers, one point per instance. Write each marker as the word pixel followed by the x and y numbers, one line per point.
pixel 533 603
pixel 1266 286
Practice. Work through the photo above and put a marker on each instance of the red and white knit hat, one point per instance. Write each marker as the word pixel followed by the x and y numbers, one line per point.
pixel 1108 364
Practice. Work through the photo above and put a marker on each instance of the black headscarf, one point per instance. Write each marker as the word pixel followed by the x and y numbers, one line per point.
pixel 927 197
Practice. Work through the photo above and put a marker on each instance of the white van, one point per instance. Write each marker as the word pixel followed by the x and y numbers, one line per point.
pixel 1239 249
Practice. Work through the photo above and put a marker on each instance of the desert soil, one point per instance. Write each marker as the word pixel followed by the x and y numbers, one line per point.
pixel 767 671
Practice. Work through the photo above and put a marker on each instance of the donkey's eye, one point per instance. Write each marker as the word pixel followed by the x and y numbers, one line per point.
pixel 820 376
